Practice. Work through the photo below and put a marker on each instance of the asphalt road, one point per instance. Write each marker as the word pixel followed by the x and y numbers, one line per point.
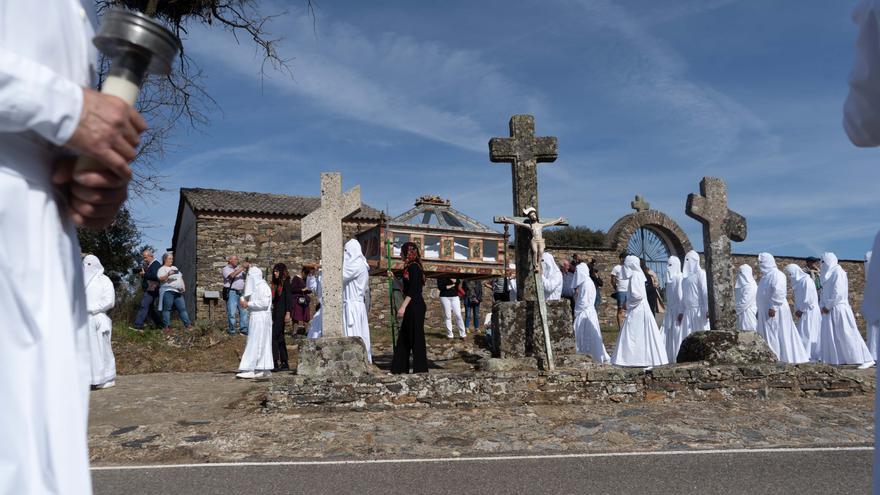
pixel 798 471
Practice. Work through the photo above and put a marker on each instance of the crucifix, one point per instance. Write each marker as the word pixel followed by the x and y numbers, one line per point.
pixel 326 223
pixel 523 151
pixel 533 226
pixel 720 226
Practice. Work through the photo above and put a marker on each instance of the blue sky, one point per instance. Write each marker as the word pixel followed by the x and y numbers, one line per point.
pixel 645 97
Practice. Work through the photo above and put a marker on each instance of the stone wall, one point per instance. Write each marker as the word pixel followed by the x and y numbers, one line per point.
pixel 571 386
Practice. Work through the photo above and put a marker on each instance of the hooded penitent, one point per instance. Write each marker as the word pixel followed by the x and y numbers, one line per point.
pixel 257 356
pixel 841 342
pixel 672 329
pixel 100 298
pixel 745 290
pixel 871 309
pixel 694 307
pixel 551 277
pixel 355 279
pixel 806 300
pixel 587 333
pixel 778 330
pixel 640 342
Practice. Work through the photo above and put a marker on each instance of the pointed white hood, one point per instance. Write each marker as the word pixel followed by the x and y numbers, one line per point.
pixel 829 263
pixel 795 273
pixel 766 263
pixel 631 265
pixel 92 267
pixel 691 264
pixel 673 268
pixel 745 277
pixel 552 275
pixel 254 277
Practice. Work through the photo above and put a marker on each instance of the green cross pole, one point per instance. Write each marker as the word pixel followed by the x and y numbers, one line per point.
pixel 392 321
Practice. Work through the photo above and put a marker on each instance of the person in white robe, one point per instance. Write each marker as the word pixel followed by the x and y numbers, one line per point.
pixel 746 291
pixel 693 312
pixel 873 325
pixel 774 315
pixel 672 329
pixel 355 278
pixel 257 361
pixel 551 278
pixel 840 338
pixel 511 282
pixel 806 306
pixel 314 282
pixel 587 332
pixel 640 342
pixel 100 298
pixel 47 111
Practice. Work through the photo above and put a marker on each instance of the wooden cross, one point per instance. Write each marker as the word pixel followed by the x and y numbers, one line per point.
pixel 523 151
pixel 326 223
pixel 720 226
pixel 639 204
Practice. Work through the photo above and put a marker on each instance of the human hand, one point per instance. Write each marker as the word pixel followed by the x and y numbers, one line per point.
pixel 400 313
pixel 93 196
pixel 771 313
pixel 825 311
pixel 108 131
pixel 798 313
pixel 243 303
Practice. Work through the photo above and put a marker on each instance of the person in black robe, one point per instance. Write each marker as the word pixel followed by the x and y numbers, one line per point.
pixel 651 288
pixel 282 304
pixel 411 339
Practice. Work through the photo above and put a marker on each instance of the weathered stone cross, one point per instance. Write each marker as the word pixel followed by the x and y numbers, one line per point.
pixel 523 151
pixel 326 222
pixel 639 204
pixel 720 226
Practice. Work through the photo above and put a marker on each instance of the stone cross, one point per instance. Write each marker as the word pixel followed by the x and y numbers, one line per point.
pixel 523 151
pixel 326 222
pixel 720 226
pixel 639 204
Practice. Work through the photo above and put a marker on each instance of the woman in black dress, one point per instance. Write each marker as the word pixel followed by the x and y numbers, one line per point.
pixel 411 313
pixel 282 303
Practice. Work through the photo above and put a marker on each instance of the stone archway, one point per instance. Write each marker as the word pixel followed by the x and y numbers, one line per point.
pixel 658 223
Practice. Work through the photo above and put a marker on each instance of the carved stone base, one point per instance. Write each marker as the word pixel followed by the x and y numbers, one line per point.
pixel 517 329
pixel 343 357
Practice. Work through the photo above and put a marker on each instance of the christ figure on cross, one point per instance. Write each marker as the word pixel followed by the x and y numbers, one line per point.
pixel 536 227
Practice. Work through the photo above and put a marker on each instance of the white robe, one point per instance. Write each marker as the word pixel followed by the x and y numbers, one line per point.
pixel 100 298
pixel 806 300
pixel 46 55
pixel 316 327
pixel 694 296
pixel 551 278
pixel 779 331
pixel 873 324
pixel 672 330
pixel 746 291
pixel 257 354
pixel 639 343
pixel 861 111
pixel 355 279
pixel 587 333
pixel 841 341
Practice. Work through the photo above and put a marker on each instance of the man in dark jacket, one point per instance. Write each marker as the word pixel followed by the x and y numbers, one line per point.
pixel 473 296
pixel 150 285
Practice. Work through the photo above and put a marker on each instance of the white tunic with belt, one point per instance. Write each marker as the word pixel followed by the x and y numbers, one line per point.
pixel 640 342
pixel 840 338
pixel 45 58
pixel 779 330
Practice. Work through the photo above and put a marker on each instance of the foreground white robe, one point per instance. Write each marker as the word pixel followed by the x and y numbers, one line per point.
pixel 587 333
pixel 694 306
pixel 672 329
pixel 551 278
pixel 100 298
pixel 873 324
pixel 806 300
pixel 355 279
pixel 841 341
pixel 257 354
pixel 746 291
pixel 861 112
pixel 871 311
pixel 639 343
pixel 315 284
pixel 779 331
pixel 46 55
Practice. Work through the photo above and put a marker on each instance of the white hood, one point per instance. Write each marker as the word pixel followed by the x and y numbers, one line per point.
pixel 254 277
pixel 766 263
pixel 829 263
pixel 92 267
pixel 353 256
pixel 552 275
pixel 745 277
pixel 871 303
pixel 673 268
pixel 631 265
pixel 691 264
pixel 795 273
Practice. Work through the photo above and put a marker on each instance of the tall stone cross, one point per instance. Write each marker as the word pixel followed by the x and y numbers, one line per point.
pixel 326 222
pixel 523 151
pixel 720 226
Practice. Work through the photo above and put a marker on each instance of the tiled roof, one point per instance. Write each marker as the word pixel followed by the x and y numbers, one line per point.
pixel 222 201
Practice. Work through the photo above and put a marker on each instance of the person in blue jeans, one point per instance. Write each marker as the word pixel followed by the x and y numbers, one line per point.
pixel 473 296
pixel 171 293
pixel 233 280
pixel 150 285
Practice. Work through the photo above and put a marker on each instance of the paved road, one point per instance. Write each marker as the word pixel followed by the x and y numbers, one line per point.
pixel 797 471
